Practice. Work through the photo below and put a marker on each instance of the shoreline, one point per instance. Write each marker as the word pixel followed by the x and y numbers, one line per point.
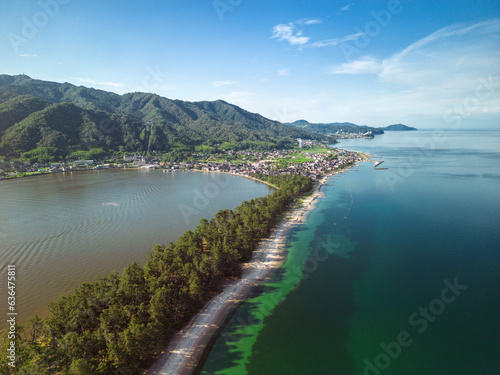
pixel 192 343
pixel 234 174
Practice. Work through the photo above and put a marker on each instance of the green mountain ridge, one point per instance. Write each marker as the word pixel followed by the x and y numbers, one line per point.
pixel 66 128
pixel 38 114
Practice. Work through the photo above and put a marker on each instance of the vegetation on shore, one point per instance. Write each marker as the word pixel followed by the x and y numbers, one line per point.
pixel 118 324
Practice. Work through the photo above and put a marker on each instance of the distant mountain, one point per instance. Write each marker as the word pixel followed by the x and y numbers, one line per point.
pixel 398 127
pixel 345 127
pixel 67 118
pixel 333 127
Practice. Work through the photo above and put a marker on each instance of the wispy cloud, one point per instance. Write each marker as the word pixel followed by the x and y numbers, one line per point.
pixel 452 51
pixel 289 32
pixel 223 83
pixel 284 72
pixel 344 9
pixel 91 81
pixel 438 72
pixel 27 55
pixel 335 41
pixel 85 80
pixel 111 84
pixel 313 21
pixel 363 66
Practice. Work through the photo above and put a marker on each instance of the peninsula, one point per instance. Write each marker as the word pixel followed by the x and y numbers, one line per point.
pixel 190 344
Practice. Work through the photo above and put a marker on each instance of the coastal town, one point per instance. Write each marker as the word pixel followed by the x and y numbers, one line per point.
pixel 312 161
pixel 311 164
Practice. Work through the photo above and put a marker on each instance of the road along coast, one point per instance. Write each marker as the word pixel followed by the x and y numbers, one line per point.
pixel 188 345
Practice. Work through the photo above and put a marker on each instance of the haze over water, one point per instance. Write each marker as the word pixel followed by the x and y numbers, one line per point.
pixel 61 230
pixel 379 247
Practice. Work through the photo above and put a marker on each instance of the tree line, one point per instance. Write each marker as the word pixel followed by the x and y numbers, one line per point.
pixel 118 324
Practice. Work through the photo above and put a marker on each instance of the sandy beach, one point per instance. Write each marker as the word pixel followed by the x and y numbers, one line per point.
pixel 188 345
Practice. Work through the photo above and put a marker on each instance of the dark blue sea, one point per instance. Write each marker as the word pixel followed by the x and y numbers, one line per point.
pixel 396 271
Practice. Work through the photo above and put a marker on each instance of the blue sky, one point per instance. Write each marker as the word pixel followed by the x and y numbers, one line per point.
pixel 422 63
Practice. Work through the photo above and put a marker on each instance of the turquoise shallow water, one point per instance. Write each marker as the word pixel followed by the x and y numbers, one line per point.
pixel 396 271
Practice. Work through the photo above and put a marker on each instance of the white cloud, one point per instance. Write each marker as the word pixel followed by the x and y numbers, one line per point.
pixel 284 72
pixel 287 32
pixel 344 9
pixel 91 81
pixel 27 55
pixel 223 83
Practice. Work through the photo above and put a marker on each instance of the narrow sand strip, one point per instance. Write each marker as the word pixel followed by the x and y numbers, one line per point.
pixel 188 345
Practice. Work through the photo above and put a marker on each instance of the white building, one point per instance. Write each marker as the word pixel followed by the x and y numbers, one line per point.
pixel 83 162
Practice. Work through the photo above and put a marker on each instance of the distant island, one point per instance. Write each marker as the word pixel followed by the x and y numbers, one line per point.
pixel 398 128
pixel 339 130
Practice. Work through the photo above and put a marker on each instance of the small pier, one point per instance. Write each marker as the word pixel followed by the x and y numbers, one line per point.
pixel 377 164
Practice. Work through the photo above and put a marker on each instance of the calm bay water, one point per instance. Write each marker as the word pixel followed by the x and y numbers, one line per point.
pixel 396 271
pixel 64 229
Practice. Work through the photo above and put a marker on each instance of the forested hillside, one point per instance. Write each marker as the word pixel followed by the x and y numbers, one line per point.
pixel 58 119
